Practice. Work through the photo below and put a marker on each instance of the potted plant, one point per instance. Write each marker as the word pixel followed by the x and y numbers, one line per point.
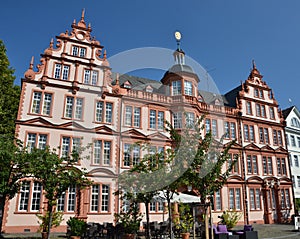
pixel 57 218
pixel 77 227
pixel 185 221
pixel 230 218
pixel 129 220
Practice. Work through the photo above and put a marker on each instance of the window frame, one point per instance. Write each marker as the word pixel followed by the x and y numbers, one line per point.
pixel 61 73
pixel 42 100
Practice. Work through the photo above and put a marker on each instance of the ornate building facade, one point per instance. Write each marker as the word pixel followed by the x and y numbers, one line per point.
pixel 292 131
pixel 74 99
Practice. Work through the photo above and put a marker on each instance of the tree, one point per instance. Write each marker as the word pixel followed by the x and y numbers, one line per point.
pixel 205 172
pixel 13 166
pixel 55 174
pixel 11 160
pixel 10 94
pixel 193 160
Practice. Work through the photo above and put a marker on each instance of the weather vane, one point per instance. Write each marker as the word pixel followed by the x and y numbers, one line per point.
pixel 177 35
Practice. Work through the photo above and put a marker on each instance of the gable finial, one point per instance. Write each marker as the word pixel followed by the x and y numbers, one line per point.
pixel 31 63
pixel 253 65
pixel 82 15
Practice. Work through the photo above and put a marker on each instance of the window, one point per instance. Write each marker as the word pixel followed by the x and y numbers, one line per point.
pixel 155 154
pixel 214 128
pixel 296 161
pixel 188 88
pixel 36 196
pixel 102 152
pixel 30 203
pixel 277 138
pixel 298 139
pixel 35 140
pixel 281 166
pixel 272 113
pixel 73 107
pixel 298 181
pixel 207 125
pixel 189 119
pixel 90 77
pixel 252 164
pixel 24 196
pixel 156 206
pixel 251 132
pixel 61 202
pixel 41 103
pixel 71 198
pixel 261 94
pixel 295 122
pixel 230 131
pixel 267 165
pixel 68 196
pixel 131 155
pixel 258 110
pixel 61 71
pixel 75 51
pixel 132 116
pixel 98 198
pixel 234 157
pixel 263 111
pixel 177 120
pixel 262 133
pixel 104 112
pixel 293 141
pixel 249 108
pixel 69 143
pixel 82 52
pixel 255 199
pixel 248 132
pixel 293 180
pixel 285 199
pixel 78 51
pixel 156 119
pixel 255 92
pixel 235 198
pixel 218 201
pixel 176 88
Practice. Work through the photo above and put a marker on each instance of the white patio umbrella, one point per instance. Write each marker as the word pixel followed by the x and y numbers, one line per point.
pixel 178 197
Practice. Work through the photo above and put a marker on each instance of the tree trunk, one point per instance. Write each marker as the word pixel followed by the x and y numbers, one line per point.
pixel 2 205
pixel 148 233
pixel 170 217
pixel 50 210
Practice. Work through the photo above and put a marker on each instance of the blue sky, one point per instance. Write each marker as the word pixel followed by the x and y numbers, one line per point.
pixel 221 35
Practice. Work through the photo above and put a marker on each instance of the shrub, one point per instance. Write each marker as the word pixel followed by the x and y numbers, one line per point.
pixel 230 218
pixel 77 226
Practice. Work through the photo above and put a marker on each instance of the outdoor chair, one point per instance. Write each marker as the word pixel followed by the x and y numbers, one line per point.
pixel 247 233
pixel 220 232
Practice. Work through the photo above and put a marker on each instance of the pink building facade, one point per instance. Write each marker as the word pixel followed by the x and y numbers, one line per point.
pixel 73 99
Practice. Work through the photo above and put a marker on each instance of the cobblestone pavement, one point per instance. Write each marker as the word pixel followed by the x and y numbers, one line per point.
pixel 272 231
pixel 265 231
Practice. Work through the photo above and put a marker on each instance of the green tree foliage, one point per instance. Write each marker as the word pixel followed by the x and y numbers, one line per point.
pixel 193 160
pixel 13 166
pixel 10 94
pixel 55 174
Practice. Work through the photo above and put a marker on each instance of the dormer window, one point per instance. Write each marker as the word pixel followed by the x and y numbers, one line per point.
pixel 127 85
pixel 176 88
pixel 188 88
pixel 149 89
pixel 295 122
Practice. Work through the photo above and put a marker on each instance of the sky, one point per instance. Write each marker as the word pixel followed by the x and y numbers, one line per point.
pixel 223 36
